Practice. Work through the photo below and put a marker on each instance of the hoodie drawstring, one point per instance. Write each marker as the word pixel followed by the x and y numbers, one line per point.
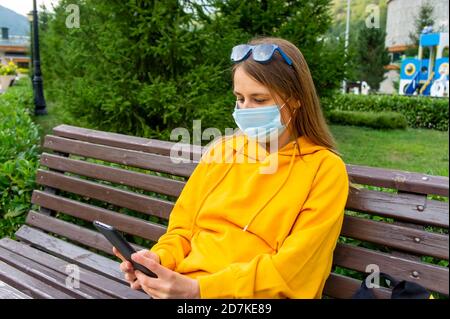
pixel 279 188
pixel 215 185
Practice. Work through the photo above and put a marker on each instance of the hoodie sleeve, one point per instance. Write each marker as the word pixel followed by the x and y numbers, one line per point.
pixel 174 245
pixel 302 264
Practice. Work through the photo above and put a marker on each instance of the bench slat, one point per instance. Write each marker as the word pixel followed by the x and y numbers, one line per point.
pixel 71 231
pixel 49 276
pixel 120 140
pixel 116 155
pixel 399 206
pixel 389 178
pixel 432 277
pixel 115 175
pixel 28 284
pixel 87 278
pixel 70 252
pixel 400 237
pixel 122 198
pixel 398 179
pixel 73 253
pixel 122 222
pixel 8 292
pixel 341 287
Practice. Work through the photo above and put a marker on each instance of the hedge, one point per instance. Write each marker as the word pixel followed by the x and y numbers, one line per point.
pixel 19 140
pixel 420 112
pixel 381 120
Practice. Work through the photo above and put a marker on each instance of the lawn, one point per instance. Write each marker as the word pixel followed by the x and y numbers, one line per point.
pixel 417 150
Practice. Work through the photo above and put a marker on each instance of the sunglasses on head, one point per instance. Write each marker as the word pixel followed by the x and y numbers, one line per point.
pixel 260 53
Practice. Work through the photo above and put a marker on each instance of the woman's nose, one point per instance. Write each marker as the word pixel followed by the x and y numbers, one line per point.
pixel 244 105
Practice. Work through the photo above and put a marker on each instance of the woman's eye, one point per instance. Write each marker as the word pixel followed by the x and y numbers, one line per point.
pixel 260 101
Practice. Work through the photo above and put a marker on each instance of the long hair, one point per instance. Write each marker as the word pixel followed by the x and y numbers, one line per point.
pixel 295 86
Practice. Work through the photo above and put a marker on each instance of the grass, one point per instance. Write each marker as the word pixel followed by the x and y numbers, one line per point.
pixel 47 122
pixel 416 150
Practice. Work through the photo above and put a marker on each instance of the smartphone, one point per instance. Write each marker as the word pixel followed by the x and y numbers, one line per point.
pixel 117 240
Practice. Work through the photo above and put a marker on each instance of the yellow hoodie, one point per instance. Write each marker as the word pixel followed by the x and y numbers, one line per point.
pixel 244 234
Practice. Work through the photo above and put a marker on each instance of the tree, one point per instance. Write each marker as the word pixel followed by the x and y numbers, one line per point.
pixel 372 56
pixel 423 19
pixel 144 67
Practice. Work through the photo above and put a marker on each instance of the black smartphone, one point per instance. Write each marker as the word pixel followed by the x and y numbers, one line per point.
pixel 117 240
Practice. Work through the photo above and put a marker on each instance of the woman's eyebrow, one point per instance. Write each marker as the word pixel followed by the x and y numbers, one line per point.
pixel 253 94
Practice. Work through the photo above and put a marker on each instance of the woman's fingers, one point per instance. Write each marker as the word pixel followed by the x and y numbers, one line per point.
pixel 149 254
pixel 118 254
pixel 130 277
pixel 135 285
pixel 126 266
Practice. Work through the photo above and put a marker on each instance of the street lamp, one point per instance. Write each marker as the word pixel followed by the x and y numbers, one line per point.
pixel 347 31
pixel 30 19
pixel 38 89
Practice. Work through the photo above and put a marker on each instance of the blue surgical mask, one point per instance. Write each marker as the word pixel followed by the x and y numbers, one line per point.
pixel 260 122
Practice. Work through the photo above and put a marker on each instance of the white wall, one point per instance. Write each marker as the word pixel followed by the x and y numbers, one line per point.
pixel 401 16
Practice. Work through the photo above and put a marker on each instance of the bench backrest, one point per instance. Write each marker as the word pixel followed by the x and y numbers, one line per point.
pixel 135 192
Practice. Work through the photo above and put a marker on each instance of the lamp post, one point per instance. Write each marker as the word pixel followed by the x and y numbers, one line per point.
pixel 347 31
pixel 30 19
pixel 38 89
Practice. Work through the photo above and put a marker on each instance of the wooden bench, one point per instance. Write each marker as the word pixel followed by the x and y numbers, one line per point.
pixel 141 181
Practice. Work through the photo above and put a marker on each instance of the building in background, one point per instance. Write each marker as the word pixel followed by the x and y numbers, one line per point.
pixel 14 38
pixel 401 16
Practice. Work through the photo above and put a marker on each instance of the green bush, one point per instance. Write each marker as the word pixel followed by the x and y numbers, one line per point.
pixel 19 140
pixel 381 120
pixel 420 112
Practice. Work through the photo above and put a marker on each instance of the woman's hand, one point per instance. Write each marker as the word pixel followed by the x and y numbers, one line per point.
pixel 168 285
pixel 128 268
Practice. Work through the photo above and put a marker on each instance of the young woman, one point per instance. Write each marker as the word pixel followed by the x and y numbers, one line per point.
pixel 237 231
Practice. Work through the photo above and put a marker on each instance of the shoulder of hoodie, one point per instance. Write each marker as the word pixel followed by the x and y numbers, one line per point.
pixel 327 160
pixel 328 163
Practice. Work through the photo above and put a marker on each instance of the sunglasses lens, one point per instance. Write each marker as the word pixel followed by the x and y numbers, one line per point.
pixel 263 52
pixel 239 52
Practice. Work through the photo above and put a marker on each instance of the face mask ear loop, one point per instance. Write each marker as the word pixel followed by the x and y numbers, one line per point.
pixel 292 112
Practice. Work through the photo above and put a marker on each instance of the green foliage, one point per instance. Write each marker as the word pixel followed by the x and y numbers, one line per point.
pixel 420 112
pixel 146 67
pixel 377 120
pixel 359 12
pixel 423 19
pixel 19 139
pixel 372 56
